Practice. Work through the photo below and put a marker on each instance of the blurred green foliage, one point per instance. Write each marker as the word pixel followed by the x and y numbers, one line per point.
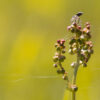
pixel 28 31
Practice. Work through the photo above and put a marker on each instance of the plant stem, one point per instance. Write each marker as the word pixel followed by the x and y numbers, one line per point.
pixel 74 77
pixel 73 95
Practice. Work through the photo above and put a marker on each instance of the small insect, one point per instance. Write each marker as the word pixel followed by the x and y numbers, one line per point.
pixel 76 17
pixel 79 14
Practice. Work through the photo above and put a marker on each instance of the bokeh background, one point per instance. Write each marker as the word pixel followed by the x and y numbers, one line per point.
pixel 28 31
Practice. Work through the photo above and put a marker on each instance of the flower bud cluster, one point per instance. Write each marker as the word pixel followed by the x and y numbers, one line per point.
pixel 80 43
pixel 59 58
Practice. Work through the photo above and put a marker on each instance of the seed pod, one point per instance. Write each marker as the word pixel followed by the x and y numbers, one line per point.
pixel 88 26
pixel 55 65
pixel 63 71
pixel 61 44
pixel 87 23
pixel 72 41
pixel 78 32
pixel 58 48
pixel 88 36
pixel 90 51
pixel 85 31
pixel 58 41
pixel 61 58
pixel 82 37
pixel 74 24
pixel 82 57
pixel 74 88
pixel 79 27
pixel 55 58
pixel 89 44
pixel 65 77
pixel 63 51
pixel 84 52
pixel 56 54
pixel 80 41
pixel 63 41
pixel 63 47
pixel 72 30
pixel 56 44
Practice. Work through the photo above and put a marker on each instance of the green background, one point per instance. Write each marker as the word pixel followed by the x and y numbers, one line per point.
pixel 28 31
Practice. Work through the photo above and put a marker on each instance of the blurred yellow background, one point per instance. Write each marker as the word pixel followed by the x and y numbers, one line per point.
pixel 28 31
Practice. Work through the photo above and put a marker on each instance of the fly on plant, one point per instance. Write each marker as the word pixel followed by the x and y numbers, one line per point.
pixel 76 18
pixel 79 14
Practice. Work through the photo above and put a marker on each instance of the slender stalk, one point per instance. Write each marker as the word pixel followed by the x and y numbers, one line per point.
pixel 73 95
pixel 74 77
pixel 75 70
